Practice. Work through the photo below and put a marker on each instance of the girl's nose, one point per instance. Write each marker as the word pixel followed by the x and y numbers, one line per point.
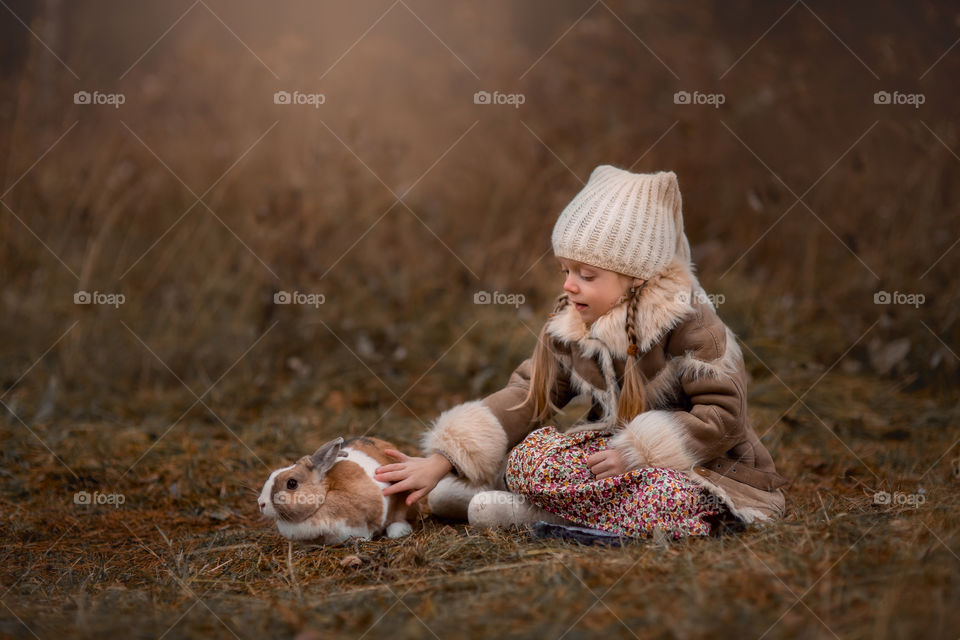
pixel 569 285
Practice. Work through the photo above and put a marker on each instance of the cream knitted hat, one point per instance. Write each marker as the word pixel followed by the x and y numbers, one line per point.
pixel 631 223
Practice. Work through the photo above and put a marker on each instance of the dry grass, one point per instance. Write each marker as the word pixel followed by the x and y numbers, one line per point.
pixel 188 542
pixel 852 398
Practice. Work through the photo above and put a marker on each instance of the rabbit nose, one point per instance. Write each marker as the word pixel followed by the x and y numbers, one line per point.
pixel 262 505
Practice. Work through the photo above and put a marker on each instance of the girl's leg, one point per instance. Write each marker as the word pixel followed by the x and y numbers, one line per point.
pixel 486 507
pixel 493 509
pixel 451 497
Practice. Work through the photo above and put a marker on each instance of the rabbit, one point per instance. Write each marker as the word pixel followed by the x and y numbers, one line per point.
pixel 331 495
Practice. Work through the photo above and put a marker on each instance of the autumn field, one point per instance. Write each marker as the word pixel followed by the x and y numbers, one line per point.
pixel 231 231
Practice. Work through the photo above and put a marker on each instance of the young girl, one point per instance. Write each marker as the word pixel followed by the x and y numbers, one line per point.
pixel 667 443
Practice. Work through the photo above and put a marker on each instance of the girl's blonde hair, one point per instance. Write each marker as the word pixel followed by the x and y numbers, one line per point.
pixel 543 376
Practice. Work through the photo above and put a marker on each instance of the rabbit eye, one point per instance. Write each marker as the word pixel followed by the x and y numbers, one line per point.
pixel 291 484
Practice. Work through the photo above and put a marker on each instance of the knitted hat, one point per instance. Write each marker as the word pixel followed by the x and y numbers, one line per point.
pixel 626 222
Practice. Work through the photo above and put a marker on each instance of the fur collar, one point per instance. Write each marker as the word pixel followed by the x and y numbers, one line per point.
pixel 664 301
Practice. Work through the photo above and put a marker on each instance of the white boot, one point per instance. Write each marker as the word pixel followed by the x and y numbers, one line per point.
pixel 492 509
pixel 450 498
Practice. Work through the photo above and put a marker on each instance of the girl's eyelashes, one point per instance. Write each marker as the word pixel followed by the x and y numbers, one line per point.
pixel 583 276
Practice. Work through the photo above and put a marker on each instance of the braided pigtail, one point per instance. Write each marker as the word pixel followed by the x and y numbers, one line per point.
pixel 543 375
pixel 633 398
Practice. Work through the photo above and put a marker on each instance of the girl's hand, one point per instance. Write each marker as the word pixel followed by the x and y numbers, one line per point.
pixel 607 463
pixel 417 475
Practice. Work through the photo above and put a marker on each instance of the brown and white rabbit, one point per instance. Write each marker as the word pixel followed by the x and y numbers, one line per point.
pixel 331 496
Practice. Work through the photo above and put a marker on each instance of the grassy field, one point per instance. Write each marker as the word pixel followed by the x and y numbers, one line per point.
pixel 398 199
pixel 185 554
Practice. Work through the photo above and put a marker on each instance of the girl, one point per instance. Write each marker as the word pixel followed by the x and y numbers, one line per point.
pixel 667 444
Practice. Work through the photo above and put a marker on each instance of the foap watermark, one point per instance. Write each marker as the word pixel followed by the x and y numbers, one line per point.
pixel 96 97
pixel 299 498
pixel 504 497
pixel 485 297
pixel 298 97
pixel 698 97
pixel 98 297
pixel 701 297
pixel 887 97
pixel 298 297
pixel 898 297
pixel 85 497
pixel 485 97
pixel 898 498
pixel 711 501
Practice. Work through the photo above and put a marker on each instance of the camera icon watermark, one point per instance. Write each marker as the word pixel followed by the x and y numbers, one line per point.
pixel 95 97
pixel 485 297
pixel 700 297
pixel 897 297
pixel 297 297
pixel 898 498
pixel 97 297
pixel 312 99
pixel 895 97
pixel 87 498
pixel 712 99
pixel 485 97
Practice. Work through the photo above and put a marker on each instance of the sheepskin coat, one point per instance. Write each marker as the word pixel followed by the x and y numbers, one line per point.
pixel 696 418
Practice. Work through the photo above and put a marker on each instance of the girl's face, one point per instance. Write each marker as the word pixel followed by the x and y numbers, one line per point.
pixel 593 290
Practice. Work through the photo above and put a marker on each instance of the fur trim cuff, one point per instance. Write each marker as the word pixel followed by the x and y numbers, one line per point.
pixel 473 438
pixel 653 439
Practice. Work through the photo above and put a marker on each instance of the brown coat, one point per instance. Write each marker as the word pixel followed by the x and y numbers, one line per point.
pixel 696 418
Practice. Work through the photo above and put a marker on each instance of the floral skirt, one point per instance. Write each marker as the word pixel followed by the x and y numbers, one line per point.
pixel 550 469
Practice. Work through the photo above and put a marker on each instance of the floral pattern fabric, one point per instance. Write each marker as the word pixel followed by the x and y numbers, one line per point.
pixel 550 469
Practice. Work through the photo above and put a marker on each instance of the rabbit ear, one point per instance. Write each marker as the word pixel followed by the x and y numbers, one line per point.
pixel 326 456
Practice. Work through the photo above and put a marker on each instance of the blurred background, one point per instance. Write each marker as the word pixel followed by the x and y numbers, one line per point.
pixel 181 164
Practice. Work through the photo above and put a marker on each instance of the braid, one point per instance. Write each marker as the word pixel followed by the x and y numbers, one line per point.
pixel 631 324
pixel 632 395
